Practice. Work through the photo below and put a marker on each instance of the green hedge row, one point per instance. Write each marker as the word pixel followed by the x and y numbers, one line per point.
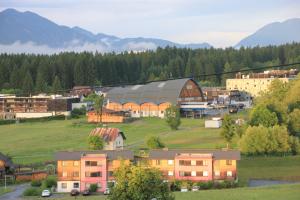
pixel 42 119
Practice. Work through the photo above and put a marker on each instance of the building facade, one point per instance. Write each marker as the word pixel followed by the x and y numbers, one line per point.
pixel 152 99
pixel 255 83
pixel 78 170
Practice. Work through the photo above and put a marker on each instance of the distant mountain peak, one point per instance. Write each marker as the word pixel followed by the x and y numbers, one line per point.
pixel 275 33
pixel 30 28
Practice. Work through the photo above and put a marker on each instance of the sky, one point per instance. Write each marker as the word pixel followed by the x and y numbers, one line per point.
pixel 221 23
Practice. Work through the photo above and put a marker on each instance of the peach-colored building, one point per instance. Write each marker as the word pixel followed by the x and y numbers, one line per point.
pixel 152 99
pixel 79 169
pixel 196 165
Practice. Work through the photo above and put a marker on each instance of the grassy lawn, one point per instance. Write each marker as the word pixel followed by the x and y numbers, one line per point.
pixel 3 190
pixel 278 192
pixel 36 142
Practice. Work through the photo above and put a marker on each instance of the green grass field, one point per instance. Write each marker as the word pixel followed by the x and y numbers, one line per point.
pixel 3 190
pixel 37 142
pixel 278 192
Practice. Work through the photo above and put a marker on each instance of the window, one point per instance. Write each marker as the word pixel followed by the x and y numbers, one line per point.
pixel 76 163
pixel 205 162
pixel 170 173
pixel 64 185
pixel 199 163
pixel 205 173
pixel 75 185
pixel 217 173
pixel 170 162
pixel 157 162
pixel 199 173
pixel 64 163
pixel 92 163
pixel 110 173
pixel 181 173
pixel 193 173
pixel 185 162
pixel 193 162
pixel 93 174
pixel 229 173
pixel 64 174
pixel 228 162
pixel 75 174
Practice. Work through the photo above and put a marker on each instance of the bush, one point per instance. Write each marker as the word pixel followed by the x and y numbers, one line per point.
pixel 154 142
pixel 76 112
pixel 4 122
pixel 44 119
pixel 32 192
pixel 49 182
pixel 206 185
pixel 36 183
pixel 93 187
pixel 175 186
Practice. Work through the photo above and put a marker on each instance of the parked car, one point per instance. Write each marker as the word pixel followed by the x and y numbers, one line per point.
pixel 184 190
pixel 107 191
pixel 233 109
pixel 74 192
pixel 46 193
pixel 195 188
pixel 86 192
pixel 241 106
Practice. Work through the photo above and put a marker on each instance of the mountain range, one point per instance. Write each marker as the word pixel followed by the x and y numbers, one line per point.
pixel 28 27
pixel 276 33
pixel 32 33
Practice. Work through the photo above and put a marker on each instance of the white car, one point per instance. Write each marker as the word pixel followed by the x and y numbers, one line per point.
pixel 46 193
pixel 184 190
pixel 107 191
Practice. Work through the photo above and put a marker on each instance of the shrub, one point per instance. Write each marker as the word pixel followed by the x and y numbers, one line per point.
pixel 175 186
pixel 220 185
pixel 50 181
pixel 4 122
pixel 93 187
pixel 36 183
pixel 76 112
pixel 32 192
pixel 154 142
pixel 205 185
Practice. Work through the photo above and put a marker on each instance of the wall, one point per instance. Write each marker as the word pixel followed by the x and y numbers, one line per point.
pixel 222 167
pixel 102 167
pixel 30 177
pixel 165 166
pixel 194 157
pixel 253 86
pixel 68 167
pixel 70 186
pixel 106 118
pixel 33 115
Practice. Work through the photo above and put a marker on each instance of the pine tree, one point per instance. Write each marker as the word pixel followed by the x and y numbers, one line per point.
pixel 227 68
pixel 56 86
pixel 40 83
pixel 27 84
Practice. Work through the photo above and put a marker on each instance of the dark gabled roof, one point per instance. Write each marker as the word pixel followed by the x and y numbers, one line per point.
pixel 156 92
pixel 111 154
pixel 217 154
pixel 7 160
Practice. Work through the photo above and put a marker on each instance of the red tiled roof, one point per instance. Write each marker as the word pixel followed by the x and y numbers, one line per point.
pixel 108 134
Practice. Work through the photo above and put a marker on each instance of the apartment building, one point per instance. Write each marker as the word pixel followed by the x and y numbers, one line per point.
pixel 196 165
pixel 78 170
pixel 255 83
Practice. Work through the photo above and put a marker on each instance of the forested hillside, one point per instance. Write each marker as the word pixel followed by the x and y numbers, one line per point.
pixel 44 73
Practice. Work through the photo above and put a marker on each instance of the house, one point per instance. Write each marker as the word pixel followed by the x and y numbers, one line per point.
pixel 31 175
pixel 6 165
pixel 196 165
pixel 112 137
pixel 152 99
pixel 79 169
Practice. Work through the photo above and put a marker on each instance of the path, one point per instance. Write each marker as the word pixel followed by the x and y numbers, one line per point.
pixel 16 194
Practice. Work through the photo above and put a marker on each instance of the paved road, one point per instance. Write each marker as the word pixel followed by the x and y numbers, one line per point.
pixel 257 183
pixel 16 194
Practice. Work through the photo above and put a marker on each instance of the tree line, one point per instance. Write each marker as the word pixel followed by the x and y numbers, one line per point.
pixel 23 73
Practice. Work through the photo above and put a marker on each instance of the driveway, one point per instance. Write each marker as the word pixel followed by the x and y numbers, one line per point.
pixel 16 194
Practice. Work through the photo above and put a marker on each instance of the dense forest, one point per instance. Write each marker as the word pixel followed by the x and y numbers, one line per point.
pixel 30 74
